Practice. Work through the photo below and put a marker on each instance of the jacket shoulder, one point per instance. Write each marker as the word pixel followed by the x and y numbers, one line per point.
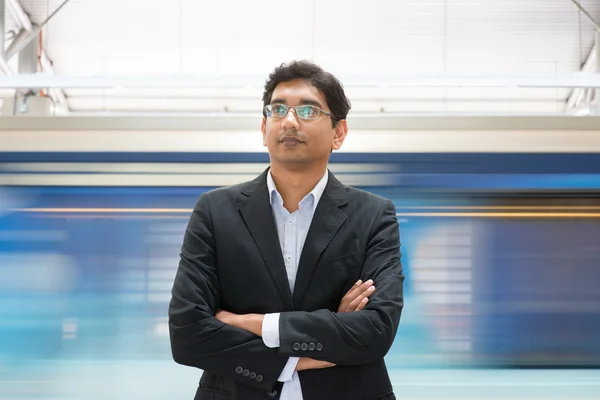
pixel 224 192
pixel 231 194
pixel 365 197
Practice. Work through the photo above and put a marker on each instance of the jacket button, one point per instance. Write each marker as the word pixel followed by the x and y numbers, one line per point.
pixel 246 372
pixel 311 346
pixel 296 346
pixel 273 393
pixel 304 347
pixel 259 378
pixel 319 347
pixel 252 375
pixel 239 370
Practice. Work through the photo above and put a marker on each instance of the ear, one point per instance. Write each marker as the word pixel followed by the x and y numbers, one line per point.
pixel 263 129
pixel 339 134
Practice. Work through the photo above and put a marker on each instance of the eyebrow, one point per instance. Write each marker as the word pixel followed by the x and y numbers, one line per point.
pixel 302 102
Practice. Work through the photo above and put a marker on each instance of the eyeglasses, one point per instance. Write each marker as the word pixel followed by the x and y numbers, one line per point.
pixel 303 111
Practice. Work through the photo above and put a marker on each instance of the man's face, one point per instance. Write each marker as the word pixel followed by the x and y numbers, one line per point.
pixel 294 141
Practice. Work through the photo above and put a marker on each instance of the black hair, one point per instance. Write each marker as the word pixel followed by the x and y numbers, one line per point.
pixel 325 82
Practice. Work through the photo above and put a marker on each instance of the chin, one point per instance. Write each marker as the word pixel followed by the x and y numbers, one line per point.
pixel 292 159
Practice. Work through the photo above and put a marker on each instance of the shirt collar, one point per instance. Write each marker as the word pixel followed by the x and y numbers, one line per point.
pixel 317 191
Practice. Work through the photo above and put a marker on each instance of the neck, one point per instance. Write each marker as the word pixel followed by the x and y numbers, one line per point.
pixel 294 185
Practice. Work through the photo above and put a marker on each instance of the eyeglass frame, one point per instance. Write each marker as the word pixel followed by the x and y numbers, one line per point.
pixel 321 111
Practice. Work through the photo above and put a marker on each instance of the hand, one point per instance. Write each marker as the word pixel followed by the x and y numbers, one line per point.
pixel 305 363
pixel 227 317
pixel 250 322
pixel 357 297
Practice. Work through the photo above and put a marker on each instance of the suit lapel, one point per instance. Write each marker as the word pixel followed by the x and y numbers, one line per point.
pixel 257 214
pixel 326 222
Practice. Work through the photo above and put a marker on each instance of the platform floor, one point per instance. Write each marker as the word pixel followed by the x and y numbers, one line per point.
pixel 103 380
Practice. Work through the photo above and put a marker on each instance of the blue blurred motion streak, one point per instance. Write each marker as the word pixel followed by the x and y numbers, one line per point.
pixel 501 274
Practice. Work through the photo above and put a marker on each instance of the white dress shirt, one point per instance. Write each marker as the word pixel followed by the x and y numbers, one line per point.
pixel 292 230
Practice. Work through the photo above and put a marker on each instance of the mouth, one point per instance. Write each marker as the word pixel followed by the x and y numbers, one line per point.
pixel 289 140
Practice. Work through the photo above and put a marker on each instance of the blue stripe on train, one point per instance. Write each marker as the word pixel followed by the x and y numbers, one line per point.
pixel 409 162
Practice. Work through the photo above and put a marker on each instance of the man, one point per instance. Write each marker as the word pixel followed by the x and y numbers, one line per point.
pixel 275 292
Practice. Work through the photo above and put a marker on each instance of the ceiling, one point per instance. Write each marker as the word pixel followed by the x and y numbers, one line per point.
pixel 378 40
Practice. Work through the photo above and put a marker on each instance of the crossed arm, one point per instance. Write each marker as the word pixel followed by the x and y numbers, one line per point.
pixel 231 346
pixel 355 300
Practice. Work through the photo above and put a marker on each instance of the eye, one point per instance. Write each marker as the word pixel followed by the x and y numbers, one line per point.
pixel 279 109
pixel 307 112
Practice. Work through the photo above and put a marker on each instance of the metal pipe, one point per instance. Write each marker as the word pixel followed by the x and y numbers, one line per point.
pixel 17 11
pixel 16 40
pixel 21 45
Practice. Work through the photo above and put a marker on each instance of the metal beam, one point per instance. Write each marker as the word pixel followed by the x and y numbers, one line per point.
pixel 33 32
pixel 587 14
pixel 597 94
pixel 578 94
pixel 24 39
pixel 248 122
pixel 3 63
pixel 245 82
pixel 21 36
pixel 28 58
pixel 579 111
pixel 2 27
pixel 17 11
pixel 591 64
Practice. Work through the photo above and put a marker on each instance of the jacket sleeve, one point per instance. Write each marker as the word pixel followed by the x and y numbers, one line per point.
pixel 200 340
pixel 353 338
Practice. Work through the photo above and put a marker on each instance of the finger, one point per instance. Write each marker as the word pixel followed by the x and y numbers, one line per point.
pixel 357 295
pixel 358 289
pixel 349 296
pixel 362 304
pixel 354 288
pixel 354 303
pixel 364 289
pixel 365 286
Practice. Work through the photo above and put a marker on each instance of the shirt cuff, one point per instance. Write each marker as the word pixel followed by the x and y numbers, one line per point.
pixel 289 370
pixel 270 330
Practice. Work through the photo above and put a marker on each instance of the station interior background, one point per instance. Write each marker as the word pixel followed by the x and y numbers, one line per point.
pixel 480 119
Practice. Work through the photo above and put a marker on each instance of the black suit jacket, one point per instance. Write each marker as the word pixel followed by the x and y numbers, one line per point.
pixel 231 259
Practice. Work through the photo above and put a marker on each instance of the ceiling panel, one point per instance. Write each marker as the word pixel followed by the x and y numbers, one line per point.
pixel 361 38
pixel 244 37
pixel 380 36
pixel 364 36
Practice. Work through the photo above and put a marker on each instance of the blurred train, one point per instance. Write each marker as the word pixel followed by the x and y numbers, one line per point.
pixel 500 231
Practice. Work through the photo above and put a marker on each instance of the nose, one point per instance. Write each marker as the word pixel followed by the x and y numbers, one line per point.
pixel 290 121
